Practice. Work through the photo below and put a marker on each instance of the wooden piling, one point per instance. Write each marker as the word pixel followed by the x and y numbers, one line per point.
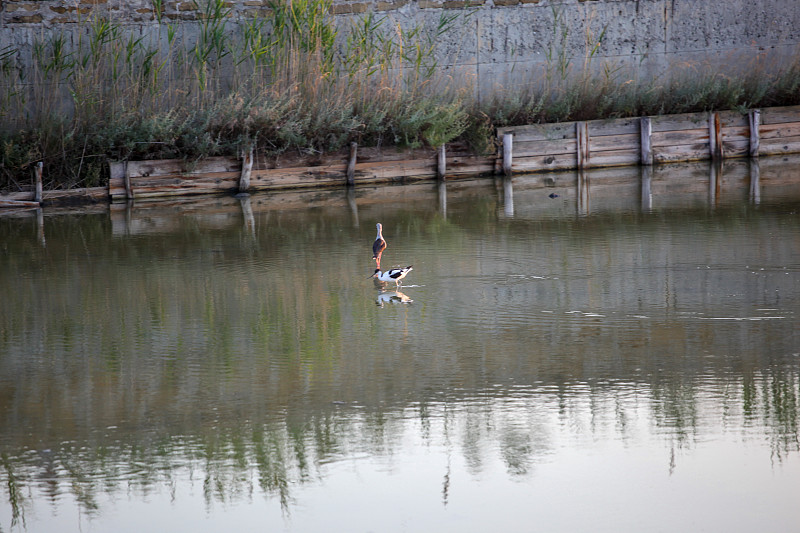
pixel 754 118
pixel 582 133
pixel 441 162
pixel 247 170
pixel 37 182
pixel 715 137
pixel 645 135
pixel 351 164
pixel 508 142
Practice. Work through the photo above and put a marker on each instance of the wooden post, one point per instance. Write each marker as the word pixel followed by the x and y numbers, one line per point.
pixel 247 169
pixel 754 118
pixel 37 182
pixel 646 133
pixel 441 162
pixel 127 180
pixel 715 137
pixel 582 133
pixel 508 158
pixel 351 164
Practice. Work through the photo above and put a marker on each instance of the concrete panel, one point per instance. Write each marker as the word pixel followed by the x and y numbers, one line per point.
pixel 499 42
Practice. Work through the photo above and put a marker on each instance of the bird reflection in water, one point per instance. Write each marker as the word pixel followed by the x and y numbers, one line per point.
pixel 392 297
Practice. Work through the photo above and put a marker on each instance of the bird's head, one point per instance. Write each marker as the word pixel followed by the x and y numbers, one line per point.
pixel 376 273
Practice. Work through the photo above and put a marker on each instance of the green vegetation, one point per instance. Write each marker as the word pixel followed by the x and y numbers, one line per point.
pixel 296 81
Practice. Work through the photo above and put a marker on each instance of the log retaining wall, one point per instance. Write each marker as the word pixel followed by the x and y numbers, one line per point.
pixel 532 148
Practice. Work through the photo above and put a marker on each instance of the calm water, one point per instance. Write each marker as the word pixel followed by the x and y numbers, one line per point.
pixel 618 357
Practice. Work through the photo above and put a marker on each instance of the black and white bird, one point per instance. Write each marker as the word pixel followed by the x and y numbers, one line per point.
pixel 394 274
pixel 378 246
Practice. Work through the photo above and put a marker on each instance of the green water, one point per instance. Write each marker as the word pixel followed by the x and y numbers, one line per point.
pixel 611 358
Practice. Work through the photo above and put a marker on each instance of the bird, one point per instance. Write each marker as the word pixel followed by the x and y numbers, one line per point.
pixel 378 246
pixel 394 274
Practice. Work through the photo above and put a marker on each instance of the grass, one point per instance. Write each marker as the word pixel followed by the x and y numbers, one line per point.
pixel 296 82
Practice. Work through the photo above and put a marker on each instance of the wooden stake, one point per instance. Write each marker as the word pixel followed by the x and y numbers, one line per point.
pixel 37 182
pixel 441 160
pixel 714 137
pixel 508 141
pixel 754 118
pixel 247 169
pixel 646 133
pixel 351 164
pixel 582 133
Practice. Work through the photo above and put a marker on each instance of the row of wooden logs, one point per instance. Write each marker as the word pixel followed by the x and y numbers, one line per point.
pixel 248 158
pixel 581 135
pixel 646 131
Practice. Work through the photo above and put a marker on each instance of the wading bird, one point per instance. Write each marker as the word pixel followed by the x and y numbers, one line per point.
pixel 394 274
pixel 378 246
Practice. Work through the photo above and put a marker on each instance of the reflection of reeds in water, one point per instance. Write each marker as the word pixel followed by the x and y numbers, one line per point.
pixel 234 459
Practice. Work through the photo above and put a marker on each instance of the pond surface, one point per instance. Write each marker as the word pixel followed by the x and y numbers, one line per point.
pixel 616 352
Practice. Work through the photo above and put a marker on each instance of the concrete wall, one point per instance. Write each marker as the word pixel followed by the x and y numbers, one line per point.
pixel 501 41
